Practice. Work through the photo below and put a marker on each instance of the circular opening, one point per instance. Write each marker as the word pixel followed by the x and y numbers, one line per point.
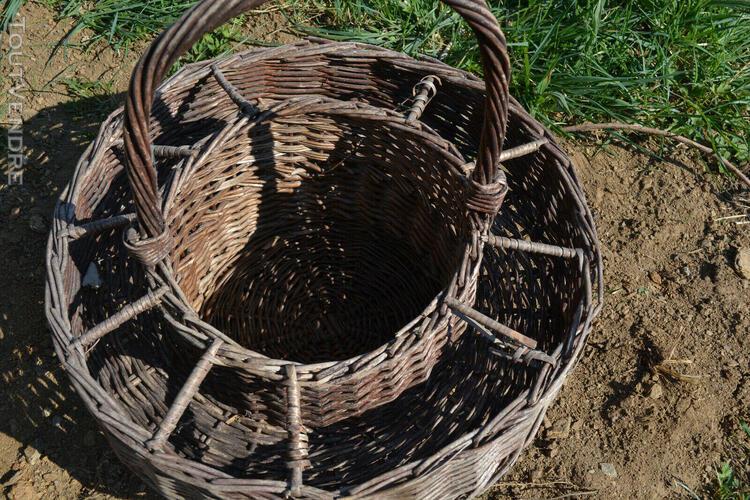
pixel 317 237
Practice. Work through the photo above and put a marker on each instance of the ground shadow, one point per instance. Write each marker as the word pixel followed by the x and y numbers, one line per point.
pixel 39 409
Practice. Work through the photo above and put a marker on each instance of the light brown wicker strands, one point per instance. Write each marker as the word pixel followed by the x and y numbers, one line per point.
pixel 307 290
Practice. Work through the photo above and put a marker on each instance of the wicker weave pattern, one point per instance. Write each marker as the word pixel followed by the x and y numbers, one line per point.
pixel 494 436
pixel 336 294
pixel 262 427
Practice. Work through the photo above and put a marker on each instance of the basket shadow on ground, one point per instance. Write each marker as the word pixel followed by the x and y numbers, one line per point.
pixel 39 408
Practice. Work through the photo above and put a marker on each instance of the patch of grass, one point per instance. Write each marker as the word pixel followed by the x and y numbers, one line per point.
pixel 85 89
pixel 681 65
pixel 121 22
pixel 8 12
pixel 729 486
pixel 732 482
pixel 215 44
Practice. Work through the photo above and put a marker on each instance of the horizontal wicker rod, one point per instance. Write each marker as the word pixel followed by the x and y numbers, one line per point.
pixel 186 394
pixel 427 86
pixel 522 150
pixel 98 226
pixel 532 247
pixel 499 349
pixel 174 151
pixel 234 94
pixel 490 323
pixel 127 313
pixel 529 355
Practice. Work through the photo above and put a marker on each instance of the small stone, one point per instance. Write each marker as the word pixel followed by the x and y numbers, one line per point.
pixel 536 474
pixel 577 426
pixel 46 412
pixel 686 271
pixel 91 279
pixel 656 391
pixel 560 429
pixel 546 423
pixel 655 277
pixel 15 212
pixel 31 454
pixel 37 224
pixel 608 469
pixel 742 262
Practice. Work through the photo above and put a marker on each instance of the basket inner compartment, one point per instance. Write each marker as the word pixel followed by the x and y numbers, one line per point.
pixel 318 236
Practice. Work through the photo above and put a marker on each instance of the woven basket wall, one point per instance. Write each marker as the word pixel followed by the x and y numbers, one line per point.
pixel 324 234
pixel 444 432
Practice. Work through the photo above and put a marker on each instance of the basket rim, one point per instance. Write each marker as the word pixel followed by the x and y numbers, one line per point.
pixel 251 359
pixel 164 275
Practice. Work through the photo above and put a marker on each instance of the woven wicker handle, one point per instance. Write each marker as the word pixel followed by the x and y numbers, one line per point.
pixel 209 15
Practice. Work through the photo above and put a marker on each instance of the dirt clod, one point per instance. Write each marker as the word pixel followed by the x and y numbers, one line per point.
pixel 37 224
pixel 655 277
pixel 656 391
pixel 742 262
pixel 560 429
pixel 608 470
pixel 22 491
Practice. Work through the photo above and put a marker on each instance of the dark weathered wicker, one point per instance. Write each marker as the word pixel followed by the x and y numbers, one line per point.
pixel 191 410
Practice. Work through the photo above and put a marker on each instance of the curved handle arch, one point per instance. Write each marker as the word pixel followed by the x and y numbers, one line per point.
pixel 208 15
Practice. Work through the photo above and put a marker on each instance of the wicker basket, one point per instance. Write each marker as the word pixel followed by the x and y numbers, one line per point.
pixel 315 233
pixel 260 427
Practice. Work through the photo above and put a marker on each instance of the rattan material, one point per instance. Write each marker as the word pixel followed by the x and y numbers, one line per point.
pixel 268 423
pixel 323 234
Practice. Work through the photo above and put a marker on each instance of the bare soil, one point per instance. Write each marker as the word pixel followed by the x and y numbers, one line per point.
pixel 651 411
